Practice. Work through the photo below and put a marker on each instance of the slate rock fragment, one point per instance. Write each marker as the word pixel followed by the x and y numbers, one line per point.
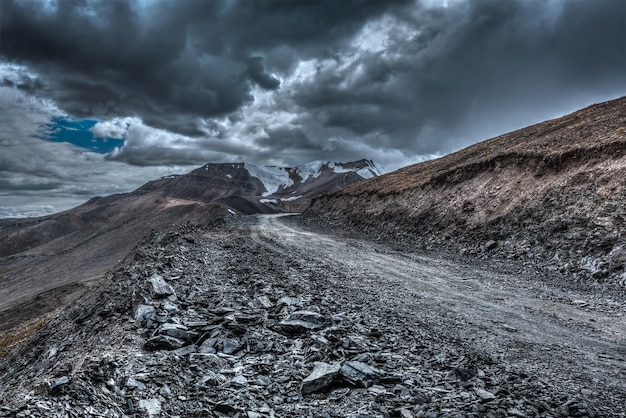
pixel 484 395
pixel 303 321
pixel 144 315
pixel 464 373
pixel 360 374
pixel 57 386
pixel 164 342
pixel 320 378
pixel 177 331
pixel 152 407
pixel 160 288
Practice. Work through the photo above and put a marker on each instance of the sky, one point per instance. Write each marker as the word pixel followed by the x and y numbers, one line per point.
pixel 100 96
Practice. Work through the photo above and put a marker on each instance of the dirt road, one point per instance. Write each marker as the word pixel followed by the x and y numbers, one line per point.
pixel 563 334
pixel 266 317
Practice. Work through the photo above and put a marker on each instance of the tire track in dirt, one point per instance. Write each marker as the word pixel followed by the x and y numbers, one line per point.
pixel 500 314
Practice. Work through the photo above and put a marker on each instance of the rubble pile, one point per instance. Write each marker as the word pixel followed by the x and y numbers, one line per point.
pixel 218 323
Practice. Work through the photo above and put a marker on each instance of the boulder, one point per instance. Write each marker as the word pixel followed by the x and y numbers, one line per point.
pixel 160 288
pixel 360 374
pixel 320 378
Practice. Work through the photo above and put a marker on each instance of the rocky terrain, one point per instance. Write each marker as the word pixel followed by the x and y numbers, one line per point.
pixel 45 263
pixel 552 194
pixel 262 318
pixel 488 283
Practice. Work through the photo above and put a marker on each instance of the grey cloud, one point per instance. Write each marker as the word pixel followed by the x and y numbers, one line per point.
pixel 447 77
pixel 174 61
pixel 277 140
pixel 256 72
pixel 154 156
pixel 476 68
pixel 38 177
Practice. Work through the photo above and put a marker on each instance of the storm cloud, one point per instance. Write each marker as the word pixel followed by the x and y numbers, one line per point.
pixel 445 73
pixel 169 62
pixel 185 82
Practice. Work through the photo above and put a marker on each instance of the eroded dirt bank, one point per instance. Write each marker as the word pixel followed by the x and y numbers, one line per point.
pixel 265 318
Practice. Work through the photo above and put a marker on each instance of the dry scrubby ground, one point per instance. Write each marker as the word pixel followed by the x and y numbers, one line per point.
pixel 261 318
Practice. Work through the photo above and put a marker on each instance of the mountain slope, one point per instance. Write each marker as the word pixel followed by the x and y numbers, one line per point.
pixel 551 193
pixel 46 262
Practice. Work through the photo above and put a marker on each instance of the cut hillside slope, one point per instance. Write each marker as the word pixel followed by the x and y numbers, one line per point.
pixel 553 193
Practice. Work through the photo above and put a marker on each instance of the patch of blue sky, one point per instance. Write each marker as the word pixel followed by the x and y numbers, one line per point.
pixel 78 132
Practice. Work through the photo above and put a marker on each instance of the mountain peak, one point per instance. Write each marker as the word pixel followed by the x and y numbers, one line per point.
pixel 279 179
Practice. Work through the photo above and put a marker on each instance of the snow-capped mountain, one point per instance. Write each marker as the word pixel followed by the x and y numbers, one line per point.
pixel 63 250
pixel 280 179
pixel 248 188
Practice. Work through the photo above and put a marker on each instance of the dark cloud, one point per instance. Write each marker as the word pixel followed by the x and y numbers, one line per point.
pixel 475 68
pixel 169 62
pixel 256 72
pixel 286 138
pixel 292 81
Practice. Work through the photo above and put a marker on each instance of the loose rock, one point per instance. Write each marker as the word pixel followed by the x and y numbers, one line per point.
pixel 322 375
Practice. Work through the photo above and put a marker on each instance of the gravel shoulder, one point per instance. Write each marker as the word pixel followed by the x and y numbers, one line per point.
pixel 262 317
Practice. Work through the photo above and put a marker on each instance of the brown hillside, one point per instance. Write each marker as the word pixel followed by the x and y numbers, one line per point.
pixel 47 262
pixel 553 192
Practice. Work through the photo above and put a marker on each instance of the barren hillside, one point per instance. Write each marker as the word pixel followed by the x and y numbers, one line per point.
pixel 553 193
pixel 262 318
pixel 46 262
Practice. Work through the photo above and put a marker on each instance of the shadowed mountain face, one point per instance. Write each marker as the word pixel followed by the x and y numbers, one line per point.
pixel 45 262
pixel 551 193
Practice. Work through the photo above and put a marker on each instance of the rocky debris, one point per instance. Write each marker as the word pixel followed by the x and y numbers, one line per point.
pixel 255 333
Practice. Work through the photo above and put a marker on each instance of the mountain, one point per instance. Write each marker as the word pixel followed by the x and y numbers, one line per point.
pixel 248 188
pixel 552 194
pixel 46 262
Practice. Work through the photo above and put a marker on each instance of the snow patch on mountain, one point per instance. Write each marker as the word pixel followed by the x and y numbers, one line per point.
pixel 291 199
pixel 312 169
pixel 278 178
pixel 273 178
pixel 372 170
